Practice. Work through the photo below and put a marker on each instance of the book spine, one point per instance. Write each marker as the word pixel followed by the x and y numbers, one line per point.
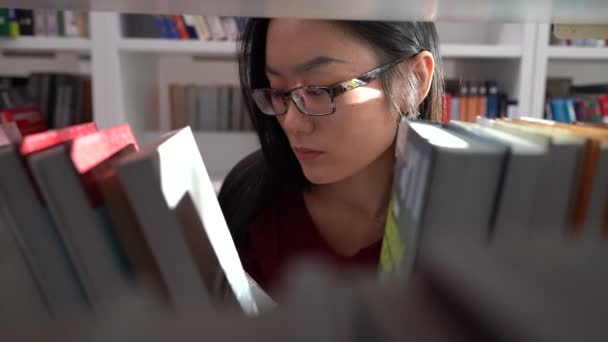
pixel 202 28
pixel 51 23
pixel 60 24
pixel 39 23
pixel 190 26
pixel 446 108
pixel 216 28
pixel 230 27
pixel 71 23
pixel 163 30
pixel 4 22
pixel 181 27
pixel 13 23
pixel 26 22
pixel 171 26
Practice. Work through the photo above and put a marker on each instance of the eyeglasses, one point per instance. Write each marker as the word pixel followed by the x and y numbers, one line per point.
pixel 314 100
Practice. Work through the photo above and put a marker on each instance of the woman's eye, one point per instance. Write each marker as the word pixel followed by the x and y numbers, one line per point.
pixel 314 91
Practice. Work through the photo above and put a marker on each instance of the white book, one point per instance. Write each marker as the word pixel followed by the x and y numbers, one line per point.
pixel 156 179
pixel 70 19
pixel 216 28
pixel 230 27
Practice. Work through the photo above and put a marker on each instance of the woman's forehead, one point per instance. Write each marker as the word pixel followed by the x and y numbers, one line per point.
pixel 297 42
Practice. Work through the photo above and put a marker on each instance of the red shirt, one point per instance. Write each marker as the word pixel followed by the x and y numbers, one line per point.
pixel 285 232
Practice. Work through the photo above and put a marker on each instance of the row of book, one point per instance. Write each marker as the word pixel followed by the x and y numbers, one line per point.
pixel 181 27
pixel 61 99
pixel 43 22
pixel 465 100
pixel 208 108
pixel 569 103
pixel 522 178
pixel 89 216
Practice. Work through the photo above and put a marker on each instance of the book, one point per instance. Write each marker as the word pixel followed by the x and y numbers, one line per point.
pixel 202 30
pixel 52 23
pixel 180 26
pixel 552 208
pixel 179 116
pixel 13 23
pixel 230 28
pixel 215 27
pixel 4 23
pixel 19 292
pixel 190 26
pixel 29 222
pixel 63 174
pixel 592 196
pixel 143 26
pixel 155 180
pixel 425 200
pixel 40 25
pixel 525 164
pixel 26 22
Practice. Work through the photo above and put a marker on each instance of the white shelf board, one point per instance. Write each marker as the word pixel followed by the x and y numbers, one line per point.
pixel 225 49
pixel 228 49
pixel 480 51
pixel 570 11
pixel 577 53
pixel 46 44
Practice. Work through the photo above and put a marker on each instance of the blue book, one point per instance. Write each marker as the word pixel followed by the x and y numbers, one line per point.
pixel 570 110
pixel 558 110
pixel 171 27
pixel 493 101
pixel 162 27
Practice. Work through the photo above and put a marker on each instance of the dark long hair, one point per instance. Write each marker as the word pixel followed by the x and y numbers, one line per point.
pixel 263 177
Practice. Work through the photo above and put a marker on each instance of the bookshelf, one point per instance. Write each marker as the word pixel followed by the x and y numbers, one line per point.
pixel 131 75
pixel 583 64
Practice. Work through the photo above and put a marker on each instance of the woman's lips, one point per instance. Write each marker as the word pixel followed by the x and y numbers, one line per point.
pixel 304 153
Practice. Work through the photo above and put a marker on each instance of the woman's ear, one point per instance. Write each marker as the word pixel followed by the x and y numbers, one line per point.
pixel 423 65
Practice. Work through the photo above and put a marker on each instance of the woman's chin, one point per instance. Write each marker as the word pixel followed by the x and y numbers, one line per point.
pixel 320 177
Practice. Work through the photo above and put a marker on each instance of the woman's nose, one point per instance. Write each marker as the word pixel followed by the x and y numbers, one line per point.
pixel 294 121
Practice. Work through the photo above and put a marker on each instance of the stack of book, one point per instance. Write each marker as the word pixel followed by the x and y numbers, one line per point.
pixel 465 100
pixel 569 103
pixel 208 108
pixel 493 180
pixel 87 215
pixel 180 27
pixel 15 23
pixel 61 99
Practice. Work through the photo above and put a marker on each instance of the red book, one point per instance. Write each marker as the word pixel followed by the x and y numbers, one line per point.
pixel 89 154
pixel 181 27
pixel 40 141
pixel 604 104
pixel 447 108
pixel 28 120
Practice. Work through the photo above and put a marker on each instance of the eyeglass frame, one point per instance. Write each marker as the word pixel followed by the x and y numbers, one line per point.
pixel 334 90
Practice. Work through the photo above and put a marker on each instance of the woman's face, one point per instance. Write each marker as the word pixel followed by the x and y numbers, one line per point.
pixel 312 52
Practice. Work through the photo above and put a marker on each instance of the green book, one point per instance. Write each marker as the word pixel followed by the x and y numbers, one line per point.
pixel 4 32
pixel 60 24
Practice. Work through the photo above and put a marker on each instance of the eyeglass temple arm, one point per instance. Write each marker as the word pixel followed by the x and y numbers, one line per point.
pixel 364 79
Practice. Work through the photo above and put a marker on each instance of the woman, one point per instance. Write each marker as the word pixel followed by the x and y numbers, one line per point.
pixel 325 98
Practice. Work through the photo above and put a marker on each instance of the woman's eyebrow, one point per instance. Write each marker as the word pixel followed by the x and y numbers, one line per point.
pixel 317 62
